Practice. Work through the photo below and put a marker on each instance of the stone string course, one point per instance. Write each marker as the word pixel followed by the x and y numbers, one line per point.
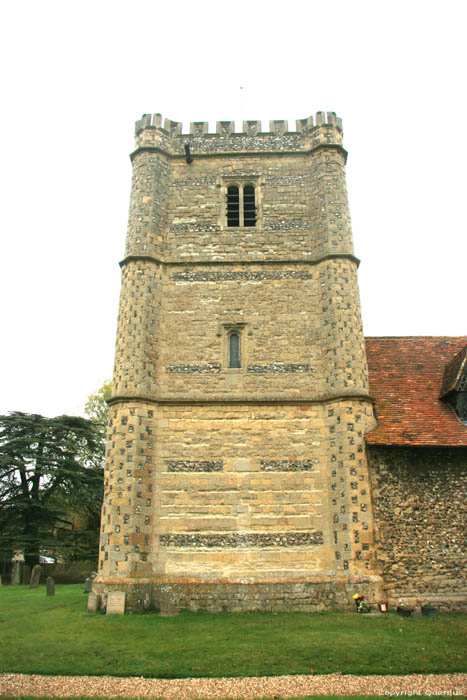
pixel 238 142
pixel 277 368
pixel 268 225
pixel 194 466
pixel 269 179
pixel 194 369
pixel 194 181
pixel 195 227
pixel 285 225
pixel 270 539
pixel 239 275
pixel 274 465
pixel 288 465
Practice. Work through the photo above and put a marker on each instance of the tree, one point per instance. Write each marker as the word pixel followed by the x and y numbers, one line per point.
pixel 96 407
pixel 97 410
pixel 50 475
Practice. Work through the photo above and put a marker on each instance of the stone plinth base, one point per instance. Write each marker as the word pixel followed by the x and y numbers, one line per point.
pixel 312 595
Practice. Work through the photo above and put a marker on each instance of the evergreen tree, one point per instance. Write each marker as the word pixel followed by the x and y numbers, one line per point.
pixel 51 480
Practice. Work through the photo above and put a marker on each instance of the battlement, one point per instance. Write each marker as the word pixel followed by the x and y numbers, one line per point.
pixel 152 131
pixel 277 127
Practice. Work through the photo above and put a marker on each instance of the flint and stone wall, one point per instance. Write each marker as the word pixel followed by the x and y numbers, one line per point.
pixel 239 488
pixel 420 497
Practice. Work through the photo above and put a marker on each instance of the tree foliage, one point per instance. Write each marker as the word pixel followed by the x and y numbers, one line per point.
pixel 50 485
pixel 97 409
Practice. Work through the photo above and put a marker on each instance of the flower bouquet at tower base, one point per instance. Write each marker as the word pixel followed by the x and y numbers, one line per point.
pixel 360 604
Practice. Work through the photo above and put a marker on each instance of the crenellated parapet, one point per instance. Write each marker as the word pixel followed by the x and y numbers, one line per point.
pixel 152 130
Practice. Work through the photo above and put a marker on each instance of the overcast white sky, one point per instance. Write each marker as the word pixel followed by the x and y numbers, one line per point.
pixel 76 76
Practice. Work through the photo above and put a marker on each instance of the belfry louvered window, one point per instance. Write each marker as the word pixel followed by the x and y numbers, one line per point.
pixel 241 205
pixel 249 206
pixel 233 206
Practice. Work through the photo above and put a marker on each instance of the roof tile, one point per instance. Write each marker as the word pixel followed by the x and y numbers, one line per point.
pixel 406 379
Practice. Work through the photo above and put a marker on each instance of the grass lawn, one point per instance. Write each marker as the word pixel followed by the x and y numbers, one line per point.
pixel 57 636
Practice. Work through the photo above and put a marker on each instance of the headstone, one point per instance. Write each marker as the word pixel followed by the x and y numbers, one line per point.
pixel 50 585
pixel 35 576
pixel 26 575
pixel 116 603
pixel 16 573
pixel 87 585
pixel 93 602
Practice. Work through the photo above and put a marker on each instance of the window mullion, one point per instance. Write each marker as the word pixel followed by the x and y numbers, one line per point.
pixel 240 203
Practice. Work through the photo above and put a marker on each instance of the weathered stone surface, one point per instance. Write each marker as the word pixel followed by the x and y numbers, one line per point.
pixel 35 576
pixel 26 575
pixel 420 501
pixel 194 466
pixel 307 595
pixel 93 602
pixel 16 573
pixel 116 603
pixel 50 585
pixel 256 473
pixel 271 539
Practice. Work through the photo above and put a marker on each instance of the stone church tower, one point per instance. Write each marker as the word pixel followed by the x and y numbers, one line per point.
pixel 236 475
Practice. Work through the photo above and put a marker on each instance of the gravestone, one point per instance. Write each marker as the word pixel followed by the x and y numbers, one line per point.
pixel 87 585
pixel 35 576
pixel 16 573
pixel 93 602
pixel 26 575
pixel 50 585
pixel 116 603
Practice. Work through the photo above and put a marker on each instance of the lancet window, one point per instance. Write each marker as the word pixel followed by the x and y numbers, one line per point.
pixel 234 350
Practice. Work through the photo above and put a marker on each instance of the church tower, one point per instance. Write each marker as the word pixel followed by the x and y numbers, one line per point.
pixel 236 474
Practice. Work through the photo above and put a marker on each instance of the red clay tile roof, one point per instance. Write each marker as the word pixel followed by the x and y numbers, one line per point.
pixel 406 379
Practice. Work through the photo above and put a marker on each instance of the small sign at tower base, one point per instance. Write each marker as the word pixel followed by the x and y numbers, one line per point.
pixel 116 603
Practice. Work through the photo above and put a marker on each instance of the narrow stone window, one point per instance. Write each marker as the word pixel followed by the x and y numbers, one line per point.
pixel 241 206
pixel 233 206
pixel 249 208
pixel 234 350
